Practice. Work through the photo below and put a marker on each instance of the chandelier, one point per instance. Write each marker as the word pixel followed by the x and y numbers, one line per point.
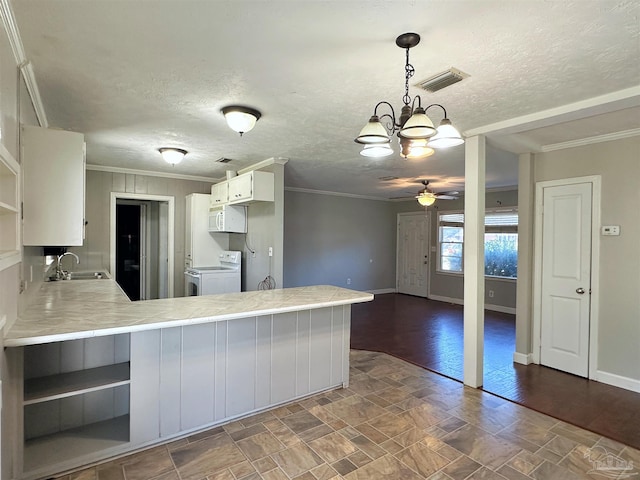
pixel 416 133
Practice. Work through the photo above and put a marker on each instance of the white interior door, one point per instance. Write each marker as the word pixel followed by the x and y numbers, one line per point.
pixel 566 277
pixel 413 254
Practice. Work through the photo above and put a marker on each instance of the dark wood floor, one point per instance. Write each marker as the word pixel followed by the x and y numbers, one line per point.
pixel 429 334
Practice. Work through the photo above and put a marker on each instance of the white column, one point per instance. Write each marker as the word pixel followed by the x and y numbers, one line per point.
pixel 474 201
pixel 524 288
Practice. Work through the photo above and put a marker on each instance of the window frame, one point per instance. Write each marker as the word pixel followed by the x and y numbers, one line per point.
pixel 488 211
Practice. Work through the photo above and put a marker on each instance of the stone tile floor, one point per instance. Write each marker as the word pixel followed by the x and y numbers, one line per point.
pixel 395 421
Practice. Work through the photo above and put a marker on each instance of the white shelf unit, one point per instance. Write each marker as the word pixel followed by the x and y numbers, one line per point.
pixel 9 210
pixel 75 417
pixel 53 387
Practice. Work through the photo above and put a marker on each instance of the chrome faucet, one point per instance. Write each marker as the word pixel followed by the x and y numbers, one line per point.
pixel 60 273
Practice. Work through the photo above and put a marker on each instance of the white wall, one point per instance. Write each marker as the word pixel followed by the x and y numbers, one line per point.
pixel 618 162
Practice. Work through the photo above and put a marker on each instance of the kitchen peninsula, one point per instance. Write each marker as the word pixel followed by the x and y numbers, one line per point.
pixel 94 375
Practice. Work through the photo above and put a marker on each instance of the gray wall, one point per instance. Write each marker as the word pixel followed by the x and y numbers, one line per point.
pixel 618 162
pixel 94 254
pixel 264 229
pixel 451 286
pixel 328 239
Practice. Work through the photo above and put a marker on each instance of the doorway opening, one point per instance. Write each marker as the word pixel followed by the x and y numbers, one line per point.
pixel 141 250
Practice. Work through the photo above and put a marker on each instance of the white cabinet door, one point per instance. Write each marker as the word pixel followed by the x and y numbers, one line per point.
pixel 219 194
pixel 250 187
pixel 53 168
pixel 241 187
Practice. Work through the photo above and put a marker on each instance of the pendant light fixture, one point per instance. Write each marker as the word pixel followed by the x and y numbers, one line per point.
pixel 172 155
pixel 416 132
pixel 241 119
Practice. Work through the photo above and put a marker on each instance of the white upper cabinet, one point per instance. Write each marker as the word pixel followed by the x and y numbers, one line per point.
pixel 9 211
pixel 53 169
pixel 255 186
pixel 219 194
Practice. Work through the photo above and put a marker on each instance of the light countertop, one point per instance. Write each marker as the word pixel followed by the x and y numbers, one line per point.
pixel 70 310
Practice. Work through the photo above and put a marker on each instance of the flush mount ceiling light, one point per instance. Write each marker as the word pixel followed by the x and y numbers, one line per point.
pixel 172 155
pixel 241 119
pixel 413 125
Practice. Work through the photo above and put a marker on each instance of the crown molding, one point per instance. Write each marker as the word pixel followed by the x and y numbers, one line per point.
pixel 335 194
pixel 149 173
pixel 263 164
pixel 25 67
pixel 607 137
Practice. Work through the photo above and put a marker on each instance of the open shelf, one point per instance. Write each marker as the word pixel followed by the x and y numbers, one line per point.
pixel 9 213
pixel 52 387
pixel 68 445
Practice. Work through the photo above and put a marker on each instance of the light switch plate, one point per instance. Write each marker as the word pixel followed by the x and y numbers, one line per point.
pixel 611 230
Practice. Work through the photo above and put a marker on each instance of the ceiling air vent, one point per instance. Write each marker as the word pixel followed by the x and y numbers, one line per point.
pixel 442 80
pixel 223 160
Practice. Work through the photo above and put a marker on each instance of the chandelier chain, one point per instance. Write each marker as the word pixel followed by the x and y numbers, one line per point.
pixel 408 73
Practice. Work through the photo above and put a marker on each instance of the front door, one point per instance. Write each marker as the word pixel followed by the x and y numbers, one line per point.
pixel 566 277
pixel 413 254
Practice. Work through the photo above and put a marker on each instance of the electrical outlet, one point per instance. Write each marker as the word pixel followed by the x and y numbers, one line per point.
pixel 490 293
pixel 348 281
pixel 271 251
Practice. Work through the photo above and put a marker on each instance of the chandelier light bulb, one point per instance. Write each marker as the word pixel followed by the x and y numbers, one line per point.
pixel 376 150
pixel 447 136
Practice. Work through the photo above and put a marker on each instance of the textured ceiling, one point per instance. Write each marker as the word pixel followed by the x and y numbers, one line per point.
pixel 134 76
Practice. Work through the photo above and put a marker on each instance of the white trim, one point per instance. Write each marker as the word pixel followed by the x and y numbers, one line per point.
pixel 264 163
pixel 596 183
pixel 335 194
pixel 609 102
pixel 382 291
pixel 25 67
pixel 149 173
pixel 522 358
pixel 607 137
pixel 8 159
pixel 500 308
pixel 171 231
pixel 617 381
pixel 460 301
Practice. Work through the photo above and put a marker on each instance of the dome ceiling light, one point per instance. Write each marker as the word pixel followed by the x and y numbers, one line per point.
pixel 172 155
pixel 241 119
pixel 416 132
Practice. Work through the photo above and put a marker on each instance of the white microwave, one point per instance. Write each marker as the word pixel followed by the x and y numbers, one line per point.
pixel 228 218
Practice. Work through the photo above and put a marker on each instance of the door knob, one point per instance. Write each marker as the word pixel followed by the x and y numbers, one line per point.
pixel 580 290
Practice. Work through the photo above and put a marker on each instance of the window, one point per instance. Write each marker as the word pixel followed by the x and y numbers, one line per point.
pixel 500 243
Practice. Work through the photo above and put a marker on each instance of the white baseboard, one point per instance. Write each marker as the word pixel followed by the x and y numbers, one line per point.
pixel 382 291
pixel 618 381
pixel 500 308
pixel 523 358
pixel 459 301
pixel 440 298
